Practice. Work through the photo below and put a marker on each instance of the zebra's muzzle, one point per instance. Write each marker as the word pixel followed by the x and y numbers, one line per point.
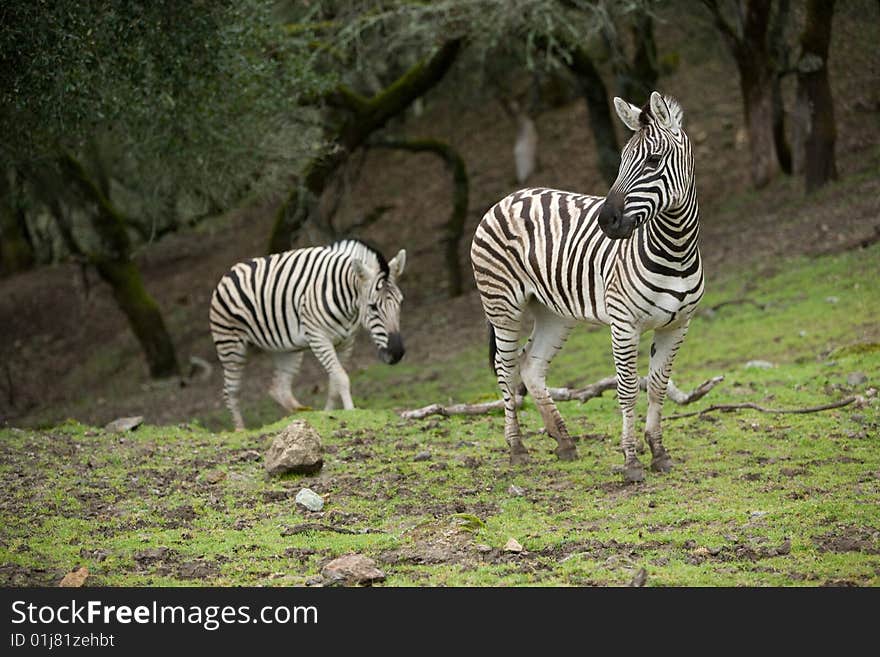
pixel 394 351
pixel 614 223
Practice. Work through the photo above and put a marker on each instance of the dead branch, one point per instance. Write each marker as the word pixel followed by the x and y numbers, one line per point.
pixel 737 302
pixel 561 394
pixel 762 409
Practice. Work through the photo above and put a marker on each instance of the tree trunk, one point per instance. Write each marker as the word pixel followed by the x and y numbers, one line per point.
pixel 16 251
pixel 749 44
pixel 596 95
pixel 756 84
pixel 114 265
pixel 366 115
pixel 142 312
pixel 815 103
pixel 454 227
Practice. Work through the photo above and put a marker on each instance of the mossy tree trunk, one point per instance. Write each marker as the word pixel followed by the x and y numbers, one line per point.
pixel 364 116
pixel 453 230
pixel 16 250
pixel 113 262
pixel 817 129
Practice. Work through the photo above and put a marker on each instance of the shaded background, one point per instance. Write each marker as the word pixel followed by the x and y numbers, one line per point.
pixel 197 134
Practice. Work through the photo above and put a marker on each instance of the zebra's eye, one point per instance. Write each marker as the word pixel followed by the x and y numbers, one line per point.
pixel 373 307
pixel 652 161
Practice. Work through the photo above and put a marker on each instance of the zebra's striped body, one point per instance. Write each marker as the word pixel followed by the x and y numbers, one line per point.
pixel 313 298
pixel 629 260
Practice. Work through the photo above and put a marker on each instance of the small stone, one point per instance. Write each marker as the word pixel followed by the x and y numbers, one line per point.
pixel 482 547
pixel 513 489
pixel 757 515
pixel 701 552
pixel 785 548
pixel 856 378
pixel 422 456
pixel 75 578
pixel 352 570
pixel 309 499
pixel 513 545
pixel 759 365
pixel 122 424
pixel 215 476
pixel 831 299
pixel 639 578
pixel 297 448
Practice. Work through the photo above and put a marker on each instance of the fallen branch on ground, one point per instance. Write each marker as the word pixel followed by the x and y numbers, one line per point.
pixel 561 394
pixel 762 409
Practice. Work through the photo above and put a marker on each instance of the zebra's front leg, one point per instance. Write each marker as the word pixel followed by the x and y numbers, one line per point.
pixel 548 336
pixel 334 397
pixel 338 382
pixel 507 371
pixel 663 351
pixel 625 343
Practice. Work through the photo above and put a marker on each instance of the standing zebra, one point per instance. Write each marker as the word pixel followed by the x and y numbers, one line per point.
pixel 630 260
pixel 308 298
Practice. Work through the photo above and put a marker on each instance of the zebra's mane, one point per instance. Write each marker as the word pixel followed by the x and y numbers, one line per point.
pixel 674 109
pixel 362 250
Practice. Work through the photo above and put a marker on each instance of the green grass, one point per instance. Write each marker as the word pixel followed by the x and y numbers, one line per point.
pixel 754 499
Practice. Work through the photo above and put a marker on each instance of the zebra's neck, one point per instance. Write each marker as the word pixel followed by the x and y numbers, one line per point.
pixel 677 231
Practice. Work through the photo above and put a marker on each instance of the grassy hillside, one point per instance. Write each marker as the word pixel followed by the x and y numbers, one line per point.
pixel 754 499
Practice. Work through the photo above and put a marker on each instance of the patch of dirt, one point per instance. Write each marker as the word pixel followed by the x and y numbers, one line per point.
pixel 850 539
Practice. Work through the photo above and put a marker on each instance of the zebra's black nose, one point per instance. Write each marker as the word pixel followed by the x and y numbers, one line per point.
pixel 394 351
pixel 612 221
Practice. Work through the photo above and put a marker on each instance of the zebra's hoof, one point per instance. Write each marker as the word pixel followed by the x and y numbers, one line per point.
pixel 661 463
pixel 520 457
pixel 568 453
pixel 633 472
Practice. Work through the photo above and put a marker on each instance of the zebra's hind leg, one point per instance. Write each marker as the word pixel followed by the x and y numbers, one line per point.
pixel 548 336
pixel 339 387
pixel 507 371
pixel 287 364
pixel 232 358
pixel 663 351
pixel 625 344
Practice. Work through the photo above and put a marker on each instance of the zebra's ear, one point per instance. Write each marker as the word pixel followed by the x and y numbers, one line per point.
pixel 664 115
pixel 628 113
pixel 360 270
pixel 398 262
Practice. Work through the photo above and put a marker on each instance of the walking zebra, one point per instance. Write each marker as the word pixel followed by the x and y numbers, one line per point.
pixel 630 260
pixel 311 298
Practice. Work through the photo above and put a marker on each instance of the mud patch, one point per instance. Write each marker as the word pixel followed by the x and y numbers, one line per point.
pixel 850 539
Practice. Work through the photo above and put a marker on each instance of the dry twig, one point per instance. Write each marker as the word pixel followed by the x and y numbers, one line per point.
pixel 561 394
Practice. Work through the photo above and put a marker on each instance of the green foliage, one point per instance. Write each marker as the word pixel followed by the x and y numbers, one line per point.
pixel 196 95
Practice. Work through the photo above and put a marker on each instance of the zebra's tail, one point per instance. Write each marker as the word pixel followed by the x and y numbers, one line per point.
pixel 493 347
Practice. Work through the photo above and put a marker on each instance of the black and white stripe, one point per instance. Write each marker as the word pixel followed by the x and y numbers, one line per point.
pixel 313 298
pixel 629 260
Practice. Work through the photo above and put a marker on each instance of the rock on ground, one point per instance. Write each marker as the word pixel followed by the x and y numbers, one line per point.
pixel 352 570
pixel 122 424
pixel 75 578
pixel 296 449
pixel 309 499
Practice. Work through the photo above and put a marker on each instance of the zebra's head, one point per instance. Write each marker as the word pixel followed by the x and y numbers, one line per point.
pixel 656 167
pixel 380 306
